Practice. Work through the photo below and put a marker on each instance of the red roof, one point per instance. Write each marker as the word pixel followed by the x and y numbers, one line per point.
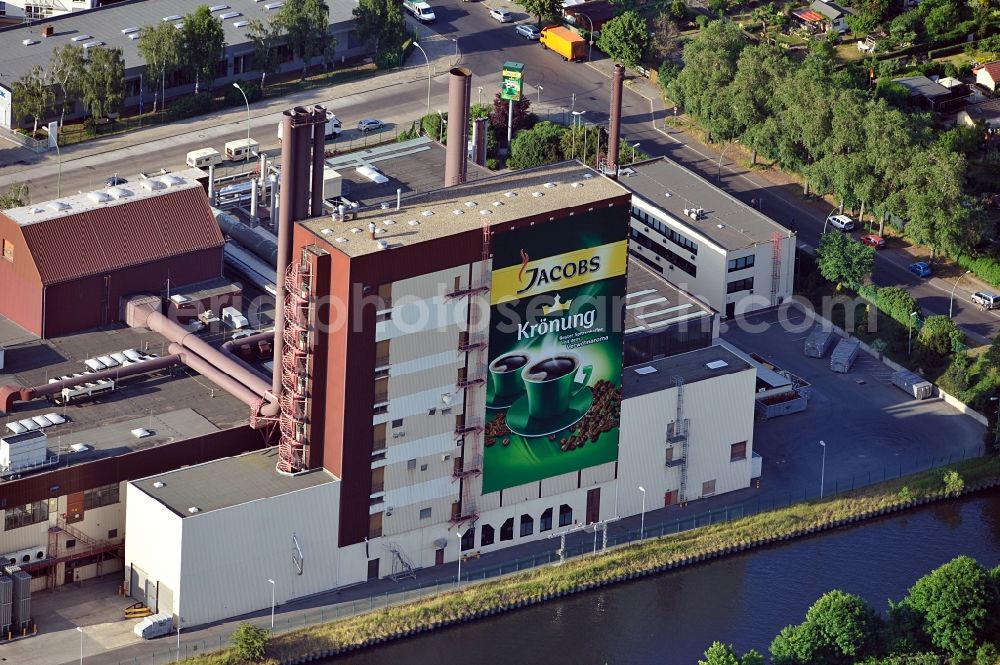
pixel 809 15
pixel 993 69
pixel 119 236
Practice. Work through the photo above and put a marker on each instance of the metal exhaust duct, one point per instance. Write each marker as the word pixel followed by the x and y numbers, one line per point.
pixel 318 154
pixel 614 133
pixel 302 144
pixel 456 152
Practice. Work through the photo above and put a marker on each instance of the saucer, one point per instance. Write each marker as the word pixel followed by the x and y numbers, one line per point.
pixel 519 421
pixel 503 402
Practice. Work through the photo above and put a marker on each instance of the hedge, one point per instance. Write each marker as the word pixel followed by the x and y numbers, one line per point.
pixel 983 267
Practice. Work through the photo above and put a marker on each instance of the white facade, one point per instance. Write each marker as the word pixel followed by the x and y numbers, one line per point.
pixel 731 281
pixel 213 565
pixel 986 75
pixel 15 11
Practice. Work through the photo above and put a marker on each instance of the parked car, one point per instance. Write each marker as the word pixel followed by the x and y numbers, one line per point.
pixel 528 31
pixel 986 300
pixel 920 269
pixel 114 181
pixel 502 14
pixel 369 124
pixel 842 222
pixel 872 240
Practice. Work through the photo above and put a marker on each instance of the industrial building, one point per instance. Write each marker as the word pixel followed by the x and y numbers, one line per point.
pixel 67 263
pixel 13 12
pixel 117 26
pixel 706 241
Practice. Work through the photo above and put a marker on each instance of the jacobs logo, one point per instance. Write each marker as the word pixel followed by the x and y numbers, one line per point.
pixel 530 278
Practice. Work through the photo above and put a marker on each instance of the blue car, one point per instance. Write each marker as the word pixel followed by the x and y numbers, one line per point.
pixel 920 269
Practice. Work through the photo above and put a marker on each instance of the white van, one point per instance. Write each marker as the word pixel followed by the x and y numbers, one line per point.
pixel 202 159
pixel 238 150
pixel 332 130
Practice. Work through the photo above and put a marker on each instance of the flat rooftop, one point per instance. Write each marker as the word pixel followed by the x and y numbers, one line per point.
pixel 728 222
pixel 447 211
pixel 692 366
pixel 108 25
pixel 228 482
pixel 652 302
pixel 923 86
pixel 174 404
pixel 415 166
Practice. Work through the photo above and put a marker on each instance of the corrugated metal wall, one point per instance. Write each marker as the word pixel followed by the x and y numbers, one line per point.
pixel 20 285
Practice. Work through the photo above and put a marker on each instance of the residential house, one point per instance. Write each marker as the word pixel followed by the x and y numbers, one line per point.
pixel 987 112
pixel 824 16
pixel 931 95
pixel 988 75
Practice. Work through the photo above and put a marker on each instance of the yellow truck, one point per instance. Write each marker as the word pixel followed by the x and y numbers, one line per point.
pixel 564 41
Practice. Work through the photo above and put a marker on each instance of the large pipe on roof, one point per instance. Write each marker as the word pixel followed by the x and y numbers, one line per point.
pixel 228 349
pixel 11 394
pixel 247 237
pixel 614 132
pixel 214 374
pixel 318 155
pixel 456 152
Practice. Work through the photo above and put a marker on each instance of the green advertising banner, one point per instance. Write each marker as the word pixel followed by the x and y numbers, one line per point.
pixel 553 394
pixel 512 73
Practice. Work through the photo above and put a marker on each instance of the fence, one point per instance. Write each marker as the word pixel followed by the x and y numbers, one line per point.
pixel 577 544
pixel 35 145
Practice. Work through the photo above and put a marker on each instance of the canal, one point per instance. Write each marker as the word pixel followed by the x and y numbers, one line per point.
pixel 744 599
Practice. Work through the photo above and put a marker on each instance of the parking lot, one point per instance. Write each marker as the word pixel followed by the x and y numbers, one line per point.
pixel 870 426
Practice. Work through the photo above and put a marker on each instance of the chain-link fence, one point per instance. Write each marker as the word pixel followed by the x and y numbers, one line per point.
pixel 431 582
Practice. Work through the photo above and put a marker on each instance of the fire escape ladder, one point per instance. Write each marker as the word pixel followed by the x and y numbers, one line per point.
pixel 401 566
pixel 680 436
pixel 775 267
pixel 293 446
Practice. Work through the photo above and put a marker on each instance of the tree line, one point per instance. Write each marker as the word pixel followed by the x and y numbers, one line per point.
pixel 96 76
pixel 950 615
pixel 836 126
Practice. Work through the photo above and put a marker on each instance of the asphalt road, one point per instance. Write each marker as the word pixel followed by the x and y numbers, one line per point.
pixel 483 45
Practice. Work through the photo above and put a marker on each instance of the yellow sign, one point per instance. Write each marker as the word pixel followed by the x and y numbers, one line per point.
pixel 562 271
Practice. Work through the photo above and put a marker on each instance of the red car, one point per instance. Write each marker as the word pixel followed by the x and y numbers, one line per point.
pixel 872 240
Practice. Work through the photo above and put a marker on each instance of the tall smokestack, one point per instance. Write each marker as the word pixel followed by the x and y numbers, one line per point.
pixel 289 156
pixel 456 152
pixel 319 149
pixel 479 141
pixel 614 135
pixel 302 146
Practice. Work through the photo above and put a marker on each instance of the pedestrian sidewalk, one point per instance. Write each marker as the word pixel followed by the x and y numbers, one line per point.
pixel 440 53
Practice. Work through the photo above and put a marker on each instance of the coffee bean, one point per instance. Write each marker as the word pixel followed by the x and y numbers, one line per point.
pixel 506 442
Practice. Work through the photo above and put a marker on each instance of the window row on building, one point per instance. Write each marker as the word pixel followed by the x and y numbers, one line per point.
pixel 665 230
pixel 489 535
pixel 664 253
pixel 741 263
pixel 745 284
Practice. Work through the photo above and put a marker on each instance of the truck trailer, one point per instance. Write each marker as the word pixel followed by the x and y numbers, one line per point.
pixel 564 41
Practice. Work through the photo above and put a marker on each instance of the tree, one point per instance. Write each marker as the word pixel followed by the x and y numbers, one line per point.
pixel 752 657
pixel 250 642
pixel 665 40
pixel 720 654
pixel 16 196
pixel 624 38
pixel 952 604
pixel 769 17
pixel 954 484
pixel 840 629
pixel 932 194
pixel 542 8
pixel 33 94
pixel 498 116
pixel 265 39
pixel 104 85
pixel 842 259
pixel 678 9
pixel 990 359
pixel 380 23
pixel 937 333
pixel 305 25
pixel 160 48
pixel 69 69
pixel 536 146
pixel 202 41
pixel 940 20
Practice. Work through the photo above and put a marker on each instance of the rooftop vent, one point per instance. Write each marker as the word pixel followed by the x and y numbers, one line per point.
pixel 194 509
pixel 643 371
pixel 152 185
pixel 717 364
pixel 497 204
pixel 217 8
pixel 413 222
pixel 158 484
pixel 667 194
pixel 372 173
pixel 577 185
pixel 129 31
pixel 427 213
pixel 134 36
pixel 90 45
pixel 382 244
pixel 79 447
pixel 389 222
pixel 141 433
pixel 99 197
pixel 538 195
pixel 510 195
pixel 35 211
pixel 229 15
pixel 628 171
pixel 457 211
pixel 341 239
pixel 120 192
pixel 471 204
pixel 58 205
pixel 588 176
pixel 326 232
pixel 173 17
pixel 271 6
pixel 241 24
pixel 485 211
pixel 355 229
pixel 80 38
pixel 549 185
pixel 29 42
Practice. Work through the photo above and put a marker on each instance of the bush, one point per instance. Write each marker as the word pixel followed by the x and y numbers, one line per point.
pixel 953 483
pixel 983 267
pixel 249 642
pixel 897 304
pixel 252 90
pixel 701 20
pixel 432 126
pixel 410 133
pixel 492 163
pixel 190 106
pixel 936 334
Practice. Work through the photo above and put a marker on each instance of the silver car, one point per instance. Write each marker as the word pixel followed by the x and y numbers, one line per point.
pixel 502 14
pixel 369 124
pixel 842 222
pixel 528 31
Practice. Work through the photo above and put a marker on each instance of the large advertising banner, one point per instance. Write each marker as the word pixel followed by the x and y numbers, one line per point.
pixel 553 394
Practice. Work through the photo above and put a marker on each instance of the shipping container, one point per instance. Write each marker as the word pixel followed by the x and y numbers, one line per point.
pixel 913 384
pixel 818 343
pixel 844 354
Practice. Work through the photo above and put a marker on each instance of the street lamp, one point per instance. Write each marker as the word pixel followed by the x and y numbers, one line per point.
pixel 441 126
pixel 245 99
pixel 909 332
pixel 576 118
pixel 457 52
pixel 458 581
pixel 634 146
pixel 951 301
pixel 540 88
pixel 828 218
pixel 590 48
pixel 718 173
pixel 480 89
pixel 642 518
pixel 822 470
pixel 428 77
pixel 80 629
pixel 271 582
